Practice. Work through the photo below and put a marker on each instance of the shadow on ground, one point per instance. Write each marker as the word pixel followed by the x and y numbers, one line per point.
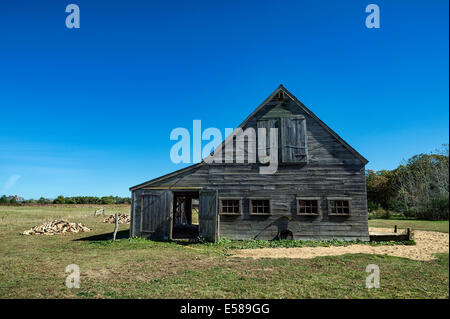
pixel 122 234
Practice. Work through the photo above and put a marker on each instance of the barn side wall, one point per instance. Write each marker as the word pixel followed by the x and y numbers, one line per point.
pixel 283 190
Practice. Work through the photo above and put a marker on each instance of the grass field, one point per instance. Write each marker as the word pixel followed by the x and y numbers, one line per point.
pixel 439 226
pixel 34 266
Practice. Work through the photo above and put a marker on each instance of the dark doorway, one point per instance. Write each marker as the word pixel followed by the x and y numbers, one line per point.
pixel 185 215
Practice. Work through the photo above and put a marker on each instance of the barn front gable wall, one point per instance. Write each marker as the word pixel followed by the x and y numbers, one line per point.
pixel 332 171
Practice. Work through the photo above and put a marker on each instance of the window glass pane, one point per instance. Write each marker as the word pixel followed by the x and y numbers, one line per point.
pixel 260 206
pixel 308 206
pixel 230 206
pixel 341 207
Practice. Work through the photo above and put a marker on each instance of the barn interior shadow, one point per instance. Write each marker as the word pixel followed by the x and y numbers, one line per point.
pixel 122 234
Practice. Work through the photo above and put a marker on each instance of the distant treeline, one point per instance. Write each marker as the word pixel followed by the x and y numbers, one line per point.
pixel 68 200
pixel 419 187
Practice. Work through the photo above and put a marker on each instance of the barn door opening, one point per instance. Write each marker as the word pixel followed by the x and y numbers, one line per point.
pixel 207 217
pixel 156 214
pixel 185 215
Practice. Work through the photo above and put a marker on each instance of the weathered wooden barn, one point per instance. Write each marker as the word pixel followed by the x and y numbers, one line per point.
pixel 317 193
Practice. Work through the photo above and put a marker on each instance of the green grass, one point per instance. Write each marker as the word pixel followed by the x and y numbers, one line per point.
pixel 254 244
pixel 34 266
pixel 439 226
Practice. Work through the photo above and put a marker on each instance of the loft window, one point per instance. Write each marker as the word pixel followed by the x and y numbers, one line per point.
pixel 339 206
pixel 293 139
pixel 260 206
pixel 230 206
pixel 307 206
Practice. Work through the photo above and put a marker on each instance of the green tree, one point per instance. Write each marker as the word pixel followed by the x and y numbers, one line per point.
pixel 42 200
pixel 107 200
pixel 419 187
pixel 380 188
pixel 59 200
pixel 4 200
pixel 422 184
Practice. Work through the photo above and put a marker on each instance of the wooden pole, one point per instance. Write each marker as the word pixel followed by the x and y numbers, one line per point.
pixel 395 228
pixel 116 225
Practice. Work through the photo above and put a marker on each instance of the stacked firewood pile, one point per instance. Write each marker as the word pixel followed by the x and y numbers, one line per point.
pixel 122 218
pixel 56 227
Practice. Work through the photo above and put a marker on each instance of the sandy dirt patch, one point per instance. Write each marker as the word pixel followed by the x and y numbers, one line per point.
pixel 428 243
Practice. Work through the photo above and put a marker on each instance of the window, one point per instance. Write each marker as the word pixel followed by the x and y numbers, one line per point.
pixel 260 206
pixel 307 206
pixel 230 206
pixel 293 139
pixel 339 206
pixel 269 123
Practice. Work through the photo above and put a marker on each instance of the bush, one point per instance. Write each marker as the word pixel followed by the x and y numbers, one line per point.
pixel 380 213
pixel 437 208
pixel 372 206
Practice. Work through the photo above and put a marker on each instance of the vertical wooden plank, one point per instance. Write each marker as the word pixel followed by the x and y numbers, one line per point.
pixel 207 215
pixel 156 214
pixel 293 139
pixel 116 225
pixel 268 124
pixel 132 215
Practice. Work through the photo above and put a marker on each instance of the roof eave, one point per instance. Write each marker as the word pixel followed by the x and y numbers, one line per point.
pixel 172 174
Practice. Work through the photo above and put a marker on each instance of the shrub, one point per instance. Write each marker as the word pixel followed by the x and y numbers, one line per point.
pixel 380 213
pixel 372 206
pixel 437 208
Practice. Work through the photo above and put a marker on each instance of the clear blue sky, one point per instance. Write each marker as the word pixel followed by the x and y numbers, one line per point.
pixel 89 111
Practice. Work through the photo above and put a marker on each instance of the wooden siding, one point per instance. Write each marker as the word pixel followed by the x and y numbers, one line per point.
pixel 155 214
pixel 208 217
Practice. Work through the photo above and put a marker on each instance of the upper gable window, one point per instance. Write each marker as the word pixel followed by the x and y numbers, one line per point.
pixel 268 123
pixel 293 139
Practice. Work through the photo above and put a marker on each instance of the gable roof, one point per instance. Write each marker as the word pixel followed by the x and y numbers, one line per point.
pixel 229 138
